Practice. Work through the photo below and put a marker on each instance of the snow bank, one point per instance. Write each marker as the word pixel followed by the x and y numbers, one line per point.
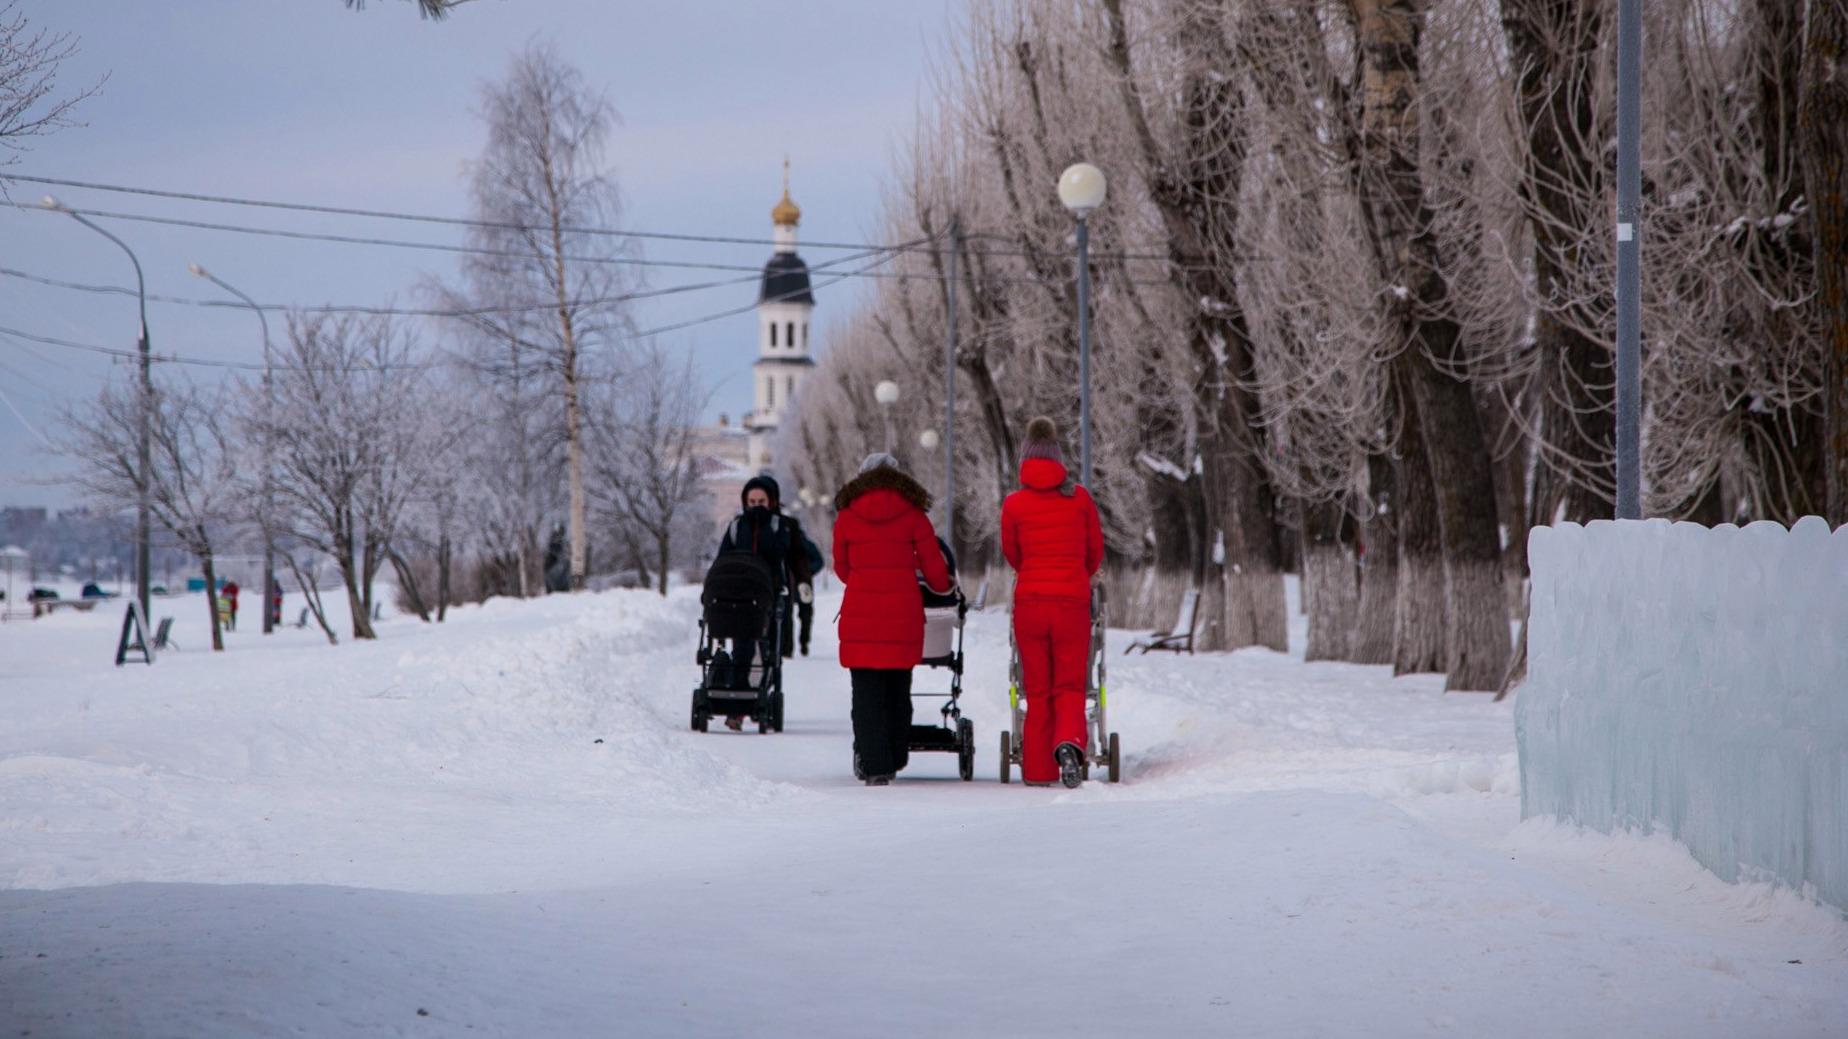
pixel 1694 680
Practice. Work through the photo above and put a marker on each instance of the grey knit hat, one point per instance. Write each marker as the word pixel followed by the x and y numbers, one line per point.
pixel 877 459
pixel 1042 441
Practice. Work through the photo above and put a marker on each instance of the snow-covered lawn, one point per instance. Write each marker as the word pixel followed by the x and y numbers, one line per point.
pixel 501 826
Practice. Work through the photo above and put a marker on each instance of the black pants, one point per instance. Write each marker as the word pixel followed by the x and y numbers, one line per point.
pixel 881 719
pixel 806 611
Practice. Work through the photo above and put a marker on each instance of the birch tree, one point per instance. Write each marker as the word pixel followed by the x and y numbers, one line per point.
pixel 547 283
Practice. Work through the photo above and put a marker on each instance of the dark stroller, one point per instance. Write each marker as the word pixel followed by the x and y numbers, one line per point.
pixel 743 604
pixel 944 616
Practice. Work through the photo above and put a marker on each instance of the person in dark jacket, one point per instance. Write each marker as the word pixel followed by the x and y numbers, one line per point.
pixel 1051 536
pixel 883 541
pixel 764 531
pixel 805 605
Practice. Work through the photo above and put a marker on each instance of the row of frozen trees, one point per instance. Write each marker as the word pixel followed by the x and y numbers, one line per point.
pixel 514 441
pixel 1352 291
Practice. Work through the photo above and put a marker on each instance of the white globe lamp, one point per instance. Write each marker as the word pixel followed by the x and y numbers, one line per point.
pixel 1082 188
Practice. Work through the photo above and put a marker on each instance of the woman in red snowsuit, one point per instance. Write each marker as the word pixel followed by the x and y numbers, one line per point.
pixel 1051 537
pixel 882 541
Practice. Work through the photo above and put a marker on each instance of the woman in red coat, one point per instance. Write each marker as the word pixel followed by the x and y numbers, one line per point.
pixel 1051 537
pixel 882 541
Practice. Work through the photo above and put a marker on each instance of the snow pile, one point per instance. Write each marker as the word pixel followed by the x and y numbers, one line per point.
pixel 291 761
pixel 1695 680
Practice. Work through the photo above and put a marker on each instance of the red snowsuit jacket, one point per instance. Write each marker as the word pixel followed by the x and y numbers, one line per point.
pixel 882 541
pixel 1050 535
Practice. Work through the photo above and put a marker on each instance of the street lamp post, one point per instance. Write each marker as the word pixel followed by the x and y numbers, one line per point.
pixel 886 393
pixel 144 455
pixel 269 493
pixel 1081 189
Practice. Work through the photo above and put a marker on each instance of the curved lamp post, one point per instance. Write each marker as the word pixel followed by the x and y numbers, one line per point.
pixel 886 393
pixel 144 460
pixel 1081 190
pixel 269 494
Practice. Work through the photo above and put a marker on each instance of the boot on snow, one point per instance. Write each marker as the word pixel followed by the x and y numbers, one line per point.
pixel 1071 765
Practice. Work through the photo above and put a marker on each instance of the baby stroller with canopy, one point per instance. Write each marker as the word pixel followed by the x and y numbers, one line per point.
pixel 944 616
pixel 1102 749
pixel 742 603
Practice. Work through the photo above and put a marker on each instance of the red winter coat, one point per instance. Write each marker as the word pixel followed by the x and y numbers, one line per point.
pixel 882 541
pixel 1050 534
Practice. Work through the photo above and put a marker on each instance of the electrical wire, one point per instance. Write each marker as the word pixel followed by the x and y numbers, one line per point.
pixel 1153 255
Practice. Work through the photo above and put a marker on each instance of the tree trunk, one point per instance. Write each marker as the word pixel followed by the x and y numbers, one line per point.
pixel 1399 228
pixel 1330 594
pixel 349 576
pixel 312 596
pixel 211 600
pixel 1379 568
pixel 664 546
pixel 442 578
pixel 409 581
pixel 1195 193
pixel 1420 616
pixel 1553 46
pixel 1822 123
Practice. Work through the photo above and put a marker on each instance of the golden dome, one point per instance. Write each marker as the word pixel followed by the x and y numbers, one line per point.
pixel 785 212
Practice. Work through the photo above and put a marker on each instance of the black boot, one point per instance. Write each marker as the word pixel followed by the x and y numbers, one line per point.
pixel 1071 764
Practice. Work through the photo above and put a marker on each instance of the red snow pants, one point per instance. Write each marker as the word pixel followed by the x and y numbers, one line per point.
pixel 1054 638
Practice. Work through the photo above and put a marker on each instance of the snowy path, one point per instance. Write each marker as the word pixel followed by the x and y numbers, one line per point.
pixel 421 837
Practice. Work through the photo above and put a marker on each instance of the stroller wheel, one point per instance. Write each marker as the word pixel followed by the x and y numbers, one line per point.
pixel 965 749
pixel 776 710
pixel 1007 755
pixel 1116 760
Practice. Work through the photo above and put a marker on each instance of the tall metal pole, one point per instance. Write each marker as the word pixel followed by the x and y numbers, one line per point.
pixel 1629 259
pixel 949 395
pixel 269 490
pixel 1084 350
pixel 145 452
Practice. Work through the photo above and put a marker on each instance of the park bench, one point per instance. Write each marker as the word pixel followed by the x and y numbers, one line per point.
pixel 1181 636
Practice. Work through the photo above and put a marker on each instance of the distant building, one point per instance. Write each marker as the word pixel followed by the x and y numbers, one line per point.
pixel 785 303
pixel 721 455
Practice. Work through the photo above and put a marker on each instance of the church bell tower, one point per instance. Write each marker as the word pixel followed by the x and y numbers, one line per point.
pixel 784 306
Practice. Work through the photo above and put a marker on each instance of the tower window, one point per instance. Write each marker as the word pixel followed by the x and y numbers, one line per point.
pixel 790 333
pixel 769 394
pixel 789 387
pixel 772 333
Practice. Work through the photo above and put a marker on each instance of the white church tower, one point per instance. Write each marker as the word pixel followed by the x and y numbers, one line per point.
pixel 784 305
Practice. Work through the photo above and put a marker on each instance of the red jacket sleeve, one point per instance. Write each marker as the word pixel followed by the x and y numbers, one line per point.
pixel 930 555
pixel 840 548
pixel 1093 535
pixel 1010 534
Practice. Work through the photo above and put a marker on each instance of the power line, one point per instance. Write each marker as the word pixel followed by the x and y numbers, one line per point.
pixel 886 256
pixel 383 214
pixel 252 366
pixel 776 299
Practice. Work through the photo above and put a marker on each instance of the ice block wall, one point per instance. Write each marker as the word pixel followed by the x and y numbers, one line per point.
pixel 1694 680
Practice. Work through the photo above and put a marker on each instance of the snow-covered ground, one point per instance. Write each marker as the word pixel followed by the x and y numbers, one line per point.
pixel 502 826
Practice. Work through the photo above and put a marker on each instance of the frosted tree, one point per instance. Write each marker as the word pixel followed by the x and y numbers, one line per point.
pixel 30 102
pixel 644 470
pixel 193 484
pixel 547 283
pixel 341 394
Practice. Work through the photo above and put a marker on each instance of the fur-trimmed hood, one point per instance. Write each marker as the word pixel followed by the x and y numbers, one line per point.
pixel 883 478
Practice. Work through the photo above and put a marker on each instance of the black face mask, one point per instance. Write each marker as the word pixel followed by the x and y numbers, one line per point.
pixel 758 513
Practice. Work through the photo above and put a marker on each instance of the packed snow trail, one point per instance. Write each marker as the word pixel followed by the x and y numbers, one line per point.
pixel 422 836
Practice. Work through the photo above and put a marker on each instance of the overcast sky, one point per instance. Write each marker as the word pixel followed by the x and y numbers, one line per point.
pixel 304 100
